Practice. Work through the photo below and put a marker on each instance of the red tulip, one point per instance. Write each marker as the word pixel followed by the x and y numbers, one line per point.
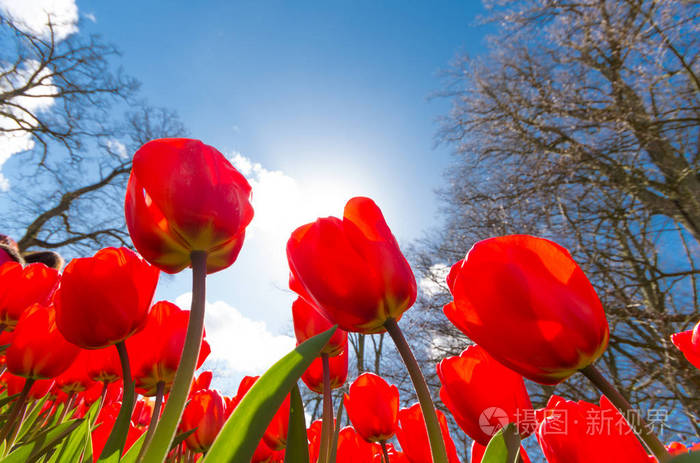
pixel 205 412
pixel 202 381
pixel 413 436
pixel 103 365
pixel 14 384
pixel 527 302
pixel 476 387
pixel 308 322
pixel 689 343
pixel 313 434
pixel 106 298
pixel 141 416
pixel 184 196
pixel 352 448
pixel 22 287
pixel 156 350
pixel 373 407
pixel 478 451
pixel 263 453
pixel 75 378
pixel 394 455
pixel 38 349
pixel 276 433
pixel 352 269
pixel 313 376
pixel 578 432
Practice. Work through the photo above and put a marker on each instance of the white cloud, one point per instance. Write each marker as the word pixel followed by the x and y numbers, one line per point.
pixel 239 345
pixel 117 147
pixel 281 205
pixel 34 101
pixel 32 16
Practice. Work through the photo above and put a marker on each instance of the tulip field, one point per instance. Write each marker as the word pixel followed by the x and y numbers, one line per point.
pixel 95 370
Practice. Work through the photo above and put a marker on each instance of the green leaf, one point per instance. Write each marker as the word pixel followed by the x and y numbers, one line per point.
pixel 133 453
pixel 243 430
pixel 6 400
pixel 181 438
pixel 79 442
pixel 297 440
pixel 497 450
pixel 30 418
pixel 42 443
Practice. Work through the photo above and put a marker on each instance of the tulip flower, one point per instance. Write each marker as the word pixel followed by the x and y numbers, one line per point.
pixel 309 321
pixel 313 376
pixel 14 384
pixel 75 378
pixel 527 302
pixel 21 287
pixel 478 451
pixel 103 365
pixel 373 407
pixel 141 415
pixel 204 413
pixel 184 196
pixel 38 349
pixel 352 448
pixel 689 343
pixel 394 456
pixel 592 433
pixel 263 453
pixel 475 386
pixel 155 351
pixel 276 433
pixel 106 298
pixel 413 438
pixel 352 269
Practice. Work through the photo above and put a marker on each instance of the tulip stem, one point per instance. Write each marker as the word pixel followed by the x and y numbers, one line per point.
pixel 17 408
pixel 437 444
pixel 631 415
pixel 66 407
pixel 511 437
pixel 327 423
pixel 103 395
pixel 160 391
pixel 112 451
pixel 385 452
pixel 336 432
pixel 167 426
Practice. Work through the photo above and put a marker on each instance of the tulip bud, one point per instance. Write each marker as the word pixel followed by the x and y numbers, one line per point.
pixel 184 196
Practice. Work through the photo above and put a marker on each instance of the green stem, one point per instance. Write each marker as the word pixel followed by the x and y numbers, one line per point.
pixel 437 445
pixel 327 423
pixel 66 407
pixel 336 432
pixel 385 452
pixel 114 446
pixel 17 408
pixel 103 395
pixel 160 391
pixel 633 418
pixel 511 437
pixel 167 426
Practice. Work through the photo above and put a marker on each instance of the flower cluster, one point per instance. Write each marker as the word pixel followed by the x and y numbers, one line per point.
pixel 94 370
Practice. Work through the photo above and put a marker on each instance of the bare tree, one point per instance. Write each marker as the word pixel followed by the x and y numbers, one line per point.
pixel 58 100
pixel 582 124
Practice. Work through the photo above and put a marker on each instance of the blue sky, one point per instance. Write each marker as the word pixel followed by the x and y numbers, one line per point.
pixel 315 102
